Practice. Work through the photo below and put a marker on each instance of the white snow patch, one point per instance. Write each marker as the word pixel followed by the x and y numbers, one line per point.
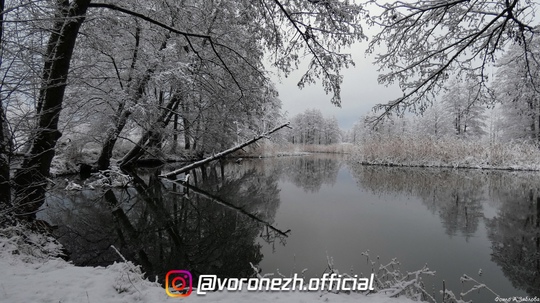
pixel 58 281
pixel 29 274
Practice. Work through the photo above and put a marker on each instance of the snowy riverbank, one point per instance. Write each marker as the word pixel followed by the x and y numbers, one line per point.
pixel 29 274
pixel 55 280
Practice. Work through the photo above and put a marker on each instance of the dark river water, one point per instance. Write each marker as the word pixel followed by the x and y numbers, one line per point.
pixel 286 215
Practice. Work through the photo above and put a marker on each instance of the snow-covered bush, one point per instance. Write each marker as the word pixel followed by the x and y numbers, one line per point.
pixel 391 281
pixel 29 245
pixel 418 150
pixel 30 271
pixel 113 177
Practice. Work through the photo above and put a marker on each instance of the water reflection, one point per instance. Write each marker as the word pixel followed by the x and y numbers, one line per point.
pixel 456 196
pixel 162 226
pixel 515 232
pixel 310 173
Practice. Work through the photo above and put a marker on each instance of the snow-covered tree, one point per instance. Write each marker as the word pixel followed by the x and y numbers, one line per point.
pixel 355 133
pixel 331 131
pixel 465 104
pixel 435 121
pixel 423 42
pixel 32 177
pixel 147 58
pixel 373 126
pixel 517 89
pixel 310 127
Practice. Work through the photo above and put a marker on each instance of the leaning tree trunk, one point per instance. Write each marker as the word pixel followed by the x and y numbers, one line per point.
pixel 104 160
pixel 152 136
pixel 30 181
pixel 136 92
pixel 175 134
pixel 187 127
pixel 173 174
pixel 122 114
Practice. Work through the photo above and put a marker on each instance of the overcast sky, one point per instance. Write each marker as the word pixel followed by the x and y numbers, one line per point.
pixel 360 91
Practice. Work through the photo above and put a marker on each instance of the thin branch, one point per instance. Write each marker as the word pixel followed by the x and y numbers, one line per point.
pixel 306 39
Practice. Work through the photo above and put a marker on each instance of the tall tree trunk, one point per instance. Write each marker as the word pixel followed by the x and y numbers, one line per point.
pixel 187 127
pixel 61 13
pixel 62 10
pixel 534 130
pixel 5 146
pixel 31 178
pixel 538 123
pixel 5 150
pixel 175 134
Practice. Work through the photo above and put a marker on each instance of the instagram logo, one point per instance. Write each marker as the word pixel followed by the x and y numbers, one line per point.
pixel 178 283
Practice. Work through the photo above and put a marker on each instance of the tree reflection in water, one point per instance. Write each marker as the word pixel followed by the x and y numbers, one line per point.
pixel 458 197
pixel 312 172
pixel 515 231
pixel 162 226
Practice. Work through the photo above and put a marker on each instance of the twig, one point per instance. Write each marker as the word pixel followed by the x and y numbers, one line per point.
pixel 118 252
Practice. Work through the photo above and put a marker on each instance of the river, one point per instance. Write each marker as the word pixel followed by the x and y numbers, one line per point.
pixel 285 215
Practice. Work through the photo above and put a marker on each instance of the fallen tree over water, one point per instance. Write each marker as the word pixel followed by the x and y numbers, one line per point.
pixel 191 166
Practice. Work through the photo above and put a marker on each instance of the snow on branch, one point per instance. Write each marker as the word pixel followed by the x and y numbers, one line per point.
pixel 187 35
pixel 427 41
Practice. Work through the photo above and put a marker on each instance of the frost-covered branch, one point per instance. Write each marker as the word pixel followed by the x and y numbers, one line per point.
pixel 187 35
pixel 318 30
pixel 428 41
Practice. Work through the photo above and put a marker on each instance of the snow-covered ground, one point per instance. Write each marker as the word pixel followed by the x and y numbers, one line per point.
pixel 29 274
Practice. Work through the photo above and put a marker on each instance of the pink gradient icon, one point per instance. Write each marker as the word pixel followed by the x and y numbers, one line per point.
pixel 178 283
